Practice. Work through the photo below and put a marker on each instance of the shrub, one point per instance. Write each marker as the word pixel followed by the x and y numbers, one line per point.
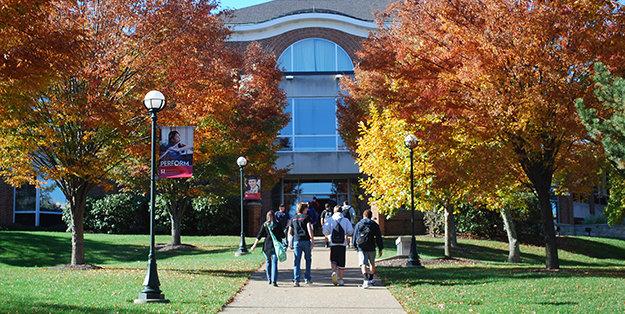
pixel 115 213
pixel 434 222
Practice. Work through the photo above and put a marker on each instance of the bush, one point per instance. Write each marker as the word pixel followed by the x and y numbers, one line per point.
pixel 487 224
pixel 124 213
pixel 115 213
pixel 434 222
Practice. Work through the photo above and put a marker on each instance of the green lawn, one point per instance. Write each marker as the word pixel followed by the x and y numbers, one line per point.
pixel 592 279
pixel 196 281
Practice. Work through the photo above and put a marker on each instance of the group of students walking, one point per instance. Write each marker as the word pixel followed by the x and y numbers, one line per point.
pixel 280 231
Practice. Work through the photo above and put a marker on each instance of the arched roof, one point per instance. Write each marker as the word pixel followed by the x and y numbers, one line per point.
pixel 358 9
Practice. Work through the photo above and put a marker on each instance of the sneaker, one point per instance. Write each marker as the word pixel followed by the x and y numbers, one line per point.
pixel 373 282
pixel 275 284
pixel 296 284
pixel 308 282
pixel 341 282
pixel 365 284
pixel 334 279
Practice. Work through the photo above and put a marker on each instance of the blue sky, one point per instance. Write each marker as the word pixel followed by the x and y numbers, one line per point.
pixel 237 4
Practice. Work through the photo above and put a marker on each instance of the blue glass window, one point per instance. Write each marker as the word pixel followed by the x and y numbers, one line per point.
pixel 315 55
pixel 315 116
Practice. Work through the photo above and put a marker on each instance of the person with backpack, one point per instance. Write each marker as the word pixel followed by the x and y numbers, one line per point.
pixel 338 228
pixel 325 215
pixel 301 228
pixel 271 231
pixel 350 214
pixel 282 217
pixel 366 237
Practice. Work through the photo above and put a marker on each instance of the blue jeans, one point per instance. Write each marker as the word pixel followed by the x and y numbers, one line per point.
pixel 271 268
pixel 300 247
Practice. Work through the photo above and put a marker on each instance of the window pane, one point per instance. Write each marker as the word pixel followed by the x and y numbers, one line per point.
pixel 285 143
pixel 339 186
pixel 325 55
pixel 288 129
pixel 52 199
pixel 344 61
pixel 322 143
pixel 25 198
pixel 290 187
pixel 304 56
pixel 313 188
pixel 341 144
pixel 284 62
pixel 315 116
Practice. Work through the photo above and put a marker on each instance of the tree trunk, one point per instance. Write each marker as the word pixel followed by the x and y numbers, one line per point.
pixel 541 178
pixel 450 231
pixel 77 207
pixel 514 252
pixel 175 229
pixel 176 213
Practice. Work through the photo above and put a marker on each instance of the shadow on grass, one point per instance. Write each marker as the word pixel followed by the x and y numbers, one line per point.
pixel 213 272
pixel 467 276
pixel 43 307
pixel 592 249
pixel 32 250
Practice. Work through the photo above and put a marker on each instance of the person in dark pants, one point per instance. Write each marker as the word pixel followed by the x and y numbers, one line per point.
pixel 282 217
pixel 337 228
pixel 271 258
pixel 303 241
pixel 366 237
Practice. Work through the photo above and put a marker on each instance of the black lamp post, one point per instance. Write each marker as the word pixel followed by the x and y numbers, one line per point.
pixel 411 142
pixel 154 101
pixel 242 162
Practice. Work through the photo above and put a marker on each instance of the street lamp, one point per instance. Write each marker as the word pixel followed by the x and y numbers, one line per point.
pixel 154 101
pixel 242 162
pixel 411 142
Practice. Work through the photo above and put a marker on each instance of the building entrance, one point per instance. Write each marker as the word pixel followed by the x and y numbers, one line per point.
pixel 325 191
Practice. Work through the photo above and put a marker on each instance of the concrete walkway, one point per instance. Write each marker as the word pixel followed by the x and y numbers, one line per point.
pixel 320 297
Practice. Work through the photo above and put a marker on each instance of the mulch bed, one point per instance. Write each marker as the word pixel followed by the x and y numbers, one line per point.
pixel 400 261
pixel 169 247
pixel 76 267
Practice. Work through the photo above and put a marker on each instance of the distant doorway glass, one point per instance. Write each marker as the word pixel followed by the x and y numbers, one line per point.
pixel 331 192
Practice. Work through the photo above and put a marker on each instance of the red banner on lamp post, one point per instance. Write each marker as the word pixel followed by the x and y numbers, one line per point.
pixel 176 152
pixel 252 188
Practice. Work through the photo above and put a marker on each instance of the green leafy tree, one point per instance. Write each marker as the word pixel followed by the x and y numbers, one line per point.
pixel 606 124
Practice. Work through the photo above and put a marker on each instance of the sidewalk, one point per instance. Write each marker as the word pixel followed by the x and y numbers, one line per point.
pixel 320 297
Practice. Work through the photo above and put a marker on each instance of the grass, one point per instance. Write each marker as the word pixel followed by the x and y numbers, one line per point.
pixel 199 281
pixel 592 279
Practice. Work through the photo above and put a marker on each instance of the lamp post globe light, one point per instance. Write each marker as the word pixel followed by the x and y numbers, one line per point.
pixel 154 101
pixel 241 162
pixel 411 142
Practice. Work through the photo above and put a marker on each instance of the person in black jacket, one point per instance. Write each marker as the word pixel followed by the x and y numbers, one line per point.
pixel 271 258
pixel 366 237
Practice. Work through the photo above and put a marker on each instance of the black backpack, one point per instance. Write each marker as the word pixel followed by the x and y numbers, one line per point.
pixel 338 234
pixel 364 235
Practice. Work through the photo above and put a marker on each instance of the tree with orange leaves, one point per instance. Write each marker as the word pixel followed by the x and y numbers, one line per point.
pixel 90 120
pixel 506 73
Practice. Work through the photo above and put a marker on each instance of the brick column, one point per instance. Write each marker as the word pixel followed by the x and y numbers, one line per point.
pixel 254 219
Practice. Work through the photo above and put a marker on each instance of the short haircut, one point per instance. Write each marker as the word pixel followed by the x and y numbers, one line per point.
pixel 301 207
pixel 346 203
pixel 328 206
pixel 338 209
pixel 367 213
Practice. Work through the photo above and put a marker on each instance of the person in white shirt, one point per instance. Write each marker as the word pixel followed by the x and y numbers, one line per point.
pixel 337 228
